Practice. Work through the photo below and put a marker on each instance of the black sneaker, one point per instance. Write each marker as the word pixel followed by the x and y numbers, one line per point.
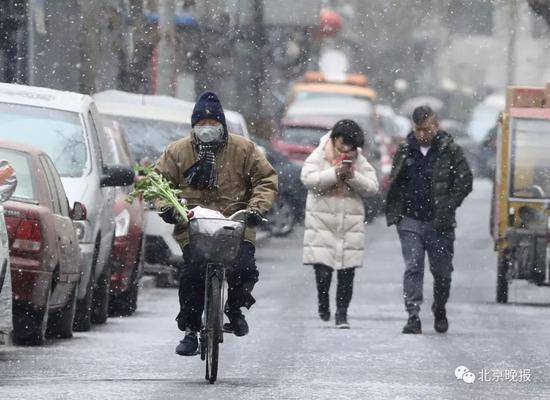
pixel 413 326
pixel 237 325
pixel 341 319
pixel 188 346
pixel 441 324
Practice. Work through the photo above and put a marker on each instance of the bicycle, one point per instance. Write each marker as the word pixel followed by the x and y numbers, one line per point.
pixel 217 241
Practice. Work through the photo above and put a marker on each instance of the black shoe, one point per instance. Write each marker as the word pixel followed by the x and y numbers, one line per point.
pixel 324 315
pixel 413 325
pixel 441 324
pixel 341 319
pixel 237 325
pixel 188 346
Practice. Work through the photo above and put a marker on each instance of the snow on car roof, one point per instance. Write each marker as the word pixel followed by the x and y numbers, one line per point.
pixel 166 108
pixel 43 97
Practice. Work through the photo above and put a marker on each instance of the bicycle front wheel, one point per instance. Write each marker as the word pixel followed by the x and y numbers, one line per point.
pixel 213 326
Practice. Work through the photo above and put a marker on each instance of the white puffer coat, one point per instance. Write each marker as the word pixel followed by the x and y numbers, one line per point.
pixel 334 228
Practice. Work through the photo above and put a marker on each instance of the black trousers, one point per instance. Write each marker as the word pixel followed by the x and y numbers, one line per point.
pixel 241 278
pixel 344 288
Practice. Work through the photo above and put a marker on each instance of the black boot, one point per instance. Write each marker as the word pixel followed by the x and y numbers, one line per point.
pixel 237 325
pixel 341 318
pixel 188 346
pixel 441 324
pixel 413 326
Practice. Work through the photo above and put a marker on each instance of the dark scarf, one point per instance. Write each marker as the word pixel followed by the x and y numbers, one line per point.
pixel 203 174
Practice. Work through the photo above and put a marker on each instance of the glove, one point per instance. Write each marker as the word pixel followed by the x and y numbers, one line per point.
pixel 169 215
pixel 254 218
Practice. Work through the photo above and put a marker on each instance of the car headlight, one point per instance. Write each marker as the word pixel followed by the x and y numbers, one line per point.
pixel 122 223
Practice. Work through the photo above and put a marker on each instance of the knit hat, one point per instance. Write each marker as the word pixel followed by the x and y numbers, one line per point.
pixel 350 131
pixel 208 106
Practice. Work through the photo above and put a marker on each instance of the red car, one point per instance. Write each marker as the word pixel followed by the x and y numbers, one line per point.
pixel 44 251
pixel 126 255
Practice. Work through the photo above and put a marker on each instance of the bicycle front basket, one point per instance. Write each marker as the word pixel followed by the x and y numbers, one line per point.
pixel 215 240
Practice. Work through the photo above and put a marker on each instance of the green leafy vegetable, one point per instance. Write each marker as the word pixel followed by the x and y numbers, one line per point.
pixel 153 186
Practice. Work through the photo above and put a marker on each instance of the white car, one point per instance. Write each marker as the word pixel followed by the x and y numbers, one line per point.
pixel 66 126
pixel 8 182
pixel 150 123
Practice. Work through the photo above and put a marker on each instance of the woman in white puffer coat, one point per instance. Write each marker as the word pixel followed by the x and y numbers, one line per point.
pixel 337 177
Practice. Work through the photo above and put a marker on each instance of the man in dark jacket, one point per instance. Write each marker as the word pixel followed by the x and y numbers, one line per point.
pixel 430 179
pixel 221 171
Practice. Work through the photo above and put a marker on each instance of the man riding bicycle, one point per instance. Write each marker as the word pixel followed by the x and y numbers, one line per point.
pixel 224 172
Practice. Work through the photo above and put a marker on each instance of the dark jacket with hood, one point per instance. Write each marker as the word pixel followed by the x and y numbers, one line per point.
pixel 451 181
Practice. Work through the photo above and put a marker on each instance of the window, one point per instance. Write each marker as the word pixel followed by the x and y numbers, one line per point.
pixel 470 17
pixel 57 133
pixel 530 162
pixel 50 184
pixel 60 191
pixel 20 162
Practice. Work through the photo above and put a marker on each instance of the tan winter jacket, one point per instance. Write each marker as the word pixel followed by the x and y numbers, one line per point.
pixel 245 179
pixel 334 228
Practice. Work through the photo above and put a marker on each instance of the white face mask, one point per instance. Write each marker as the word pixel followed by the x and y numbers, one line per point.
pixel 208 133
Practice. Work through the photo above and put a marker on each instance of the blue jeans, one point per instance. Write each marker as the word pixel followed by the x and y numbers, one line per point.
pixel 418 238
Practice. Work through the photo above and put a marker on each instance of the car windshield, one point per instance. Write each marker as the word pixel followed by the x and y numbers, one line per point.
pixel 148 138
pixel 303 136
pixel 530 161
pixel 20 162
pixel 57 133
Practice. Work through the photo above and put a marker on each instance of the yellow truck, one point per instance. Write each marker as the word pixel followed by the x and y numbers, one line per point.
pixel 520 211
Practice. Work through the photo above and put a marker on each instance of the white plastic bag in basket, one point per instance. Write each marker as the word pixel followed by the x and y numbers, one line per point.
pixel 211 227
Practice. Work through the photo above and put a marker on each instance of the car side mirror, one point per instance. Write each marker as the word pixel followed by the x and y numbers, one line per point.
pixel 8 181
pixel 117 175
pixel 78 212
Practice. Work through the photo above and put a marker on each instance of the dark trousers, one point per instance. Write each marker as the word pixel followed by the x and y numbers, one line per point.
pixel 418 238
pixel 241 278
pixel 344 288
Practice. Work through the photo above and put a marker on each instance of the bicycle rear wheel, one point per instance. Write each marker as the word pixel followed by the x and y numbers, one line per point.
pixel 213 326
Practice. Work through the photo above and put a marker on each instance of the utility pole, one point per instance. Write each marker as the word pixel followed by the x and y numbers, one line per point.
pixel 511 50
pixel 166 47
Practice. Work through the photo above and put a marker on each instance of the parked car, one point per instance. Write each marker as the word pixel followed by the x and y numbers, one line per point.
pixel 44 253
pixel 8 183
pixel 289 207
pixel 303 125
pixel 126 255
pixel 149 124
pixel 485 115
pixel 460 134
pixel 321 114
pixel 66 126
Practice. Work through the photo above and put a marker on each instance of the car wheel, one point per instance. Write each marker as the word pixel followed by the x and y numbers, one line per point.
pixel 281 218
pixel 30 323
pixel 60 323
pixel 100 299
pixel 83 315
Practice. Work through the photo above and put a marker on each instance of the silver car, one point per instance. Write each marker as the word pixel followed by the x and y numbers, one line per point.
pixel 65 126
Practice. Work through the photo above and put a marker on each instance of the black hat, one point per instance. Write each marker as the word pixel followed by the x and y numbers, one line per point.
pixel 208 106
pixel 350 131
